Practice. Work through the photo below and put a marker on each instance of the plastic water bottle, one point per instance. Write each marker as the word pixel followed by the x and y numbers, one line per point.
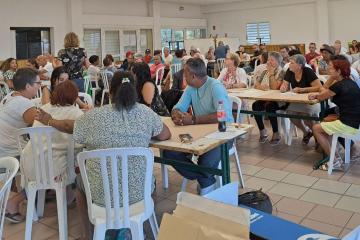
pixel 221 116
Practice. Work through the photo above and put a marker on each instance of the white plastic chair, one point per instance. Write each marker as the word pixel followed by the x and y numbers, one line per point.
pixel 353 235
pixel 256 64
pixel 37 102
pixel 112 215
pixel 348 139
pixel 39 93
pixel 174 68
pixel 158 78
pixel 87 98
pixel 106 87
pixel 11 166
pixel 287 128
pixel 220 63
pixel 45 179
pixel 88 84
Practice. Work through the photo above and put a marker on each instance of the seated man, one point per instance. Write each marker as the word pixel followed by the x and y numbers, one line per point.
pixel 203 94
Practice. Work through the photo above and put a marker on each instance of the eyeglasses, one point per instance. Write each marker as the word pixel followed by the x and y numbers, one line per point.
pixel 37 82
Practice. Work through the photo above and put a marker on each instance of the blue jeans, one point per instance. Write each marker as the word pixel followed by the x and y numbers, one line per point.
pixel 79 82
pixel 210 159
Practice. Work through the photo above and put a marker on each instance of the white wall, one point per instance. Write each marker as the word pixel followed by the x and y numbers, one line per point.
pixel 171 10
pixel 73 15
pixel 18 13
pixel 296 21
pixel 344 20
pixel 116 7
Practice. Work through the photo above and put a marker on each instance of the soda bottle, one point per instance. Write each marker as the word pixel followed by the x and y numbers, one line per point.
pixel 221 116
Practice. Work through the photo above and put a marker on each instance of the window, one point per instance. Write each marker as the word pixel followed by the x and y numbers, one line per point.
pixel 146 40
pixel 112 44
pixel 257 31
pixel 195 33
pixel 92 42
pixel 130 41
pixel 166 37
pixel 31 42
pixel 174 38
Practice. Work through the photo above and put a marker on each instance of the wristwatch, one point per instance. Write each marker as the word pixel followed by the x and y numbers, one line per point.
pixel 193 120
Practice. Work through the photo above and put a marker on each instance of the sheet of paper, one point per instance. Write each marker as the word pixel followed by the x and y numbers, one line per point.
pixel 229 134
pixel 288 93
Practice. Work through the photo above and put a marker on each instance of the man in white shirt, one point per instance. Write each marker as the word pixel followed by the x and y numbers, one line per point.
pixel 167 57
pixel 45 66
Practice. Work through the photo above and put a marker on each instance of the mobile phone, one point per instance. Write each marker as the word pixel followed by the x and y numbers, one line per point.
pixel 185 138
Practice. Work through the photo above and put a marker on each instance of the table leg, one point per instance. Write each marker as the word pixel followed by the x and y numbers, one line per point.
pixel 225 163
pixel 322 109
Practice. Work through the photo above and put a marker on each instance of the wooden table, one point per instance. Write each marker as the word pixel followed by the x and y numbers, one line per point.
pixel 205 138
pixel 277 96
pixel 272 95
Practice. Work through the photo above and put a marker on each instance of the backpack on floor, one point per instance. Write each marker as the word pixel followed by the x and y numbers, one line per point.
pixel 257 200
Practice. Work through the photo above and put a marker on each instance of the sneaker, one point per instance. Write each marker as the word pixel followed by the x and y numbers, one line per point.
pixel 306 138
pixel 206 190
pixel 263 139
pixel 275 141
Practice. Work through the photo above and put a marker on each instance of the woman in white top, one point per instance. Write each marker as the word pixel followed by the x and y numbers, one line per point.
pixel 17 111
pixel 232 76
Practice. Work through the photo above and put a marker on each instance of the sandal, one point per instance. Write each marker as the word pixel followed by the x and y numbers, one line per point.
pixel 306 138
pixel 275 141
pixel 263 139
pixel 336 166
pixel 14 217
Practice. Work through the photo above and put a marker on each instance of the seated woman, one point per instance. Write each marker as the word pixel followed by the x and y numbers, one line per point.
pixel 270 79
pixel 32 63
pixel 301 79
pixel 124 123
pixel 59 75
pixel 61 106
pixel 9 68
pixel 178 82
pixel 146 89
pixel 263 58
pixel 153 69
pixel 244 57
pixel 17 111
pixel 345 94
pixel 232 76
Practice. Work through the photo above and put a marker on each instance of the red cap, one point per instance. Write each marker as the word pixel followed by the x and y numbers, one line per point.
pixel 128 53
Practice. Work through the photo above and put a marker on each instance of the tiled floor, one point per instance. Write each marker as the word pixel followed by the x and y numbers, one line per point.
pixel 330 204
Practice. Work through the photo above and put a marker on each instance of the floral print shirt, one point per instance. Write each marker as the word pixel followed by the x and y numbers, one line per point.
pixel 106 127
pixel 73 60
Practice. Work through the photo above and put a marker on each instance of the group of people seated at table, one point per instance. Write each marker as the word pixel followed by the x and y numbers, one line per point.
pixel 133 117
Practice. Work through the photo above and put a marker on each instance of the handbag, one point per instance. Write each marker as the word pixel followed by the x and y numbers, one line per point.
pixel 257 200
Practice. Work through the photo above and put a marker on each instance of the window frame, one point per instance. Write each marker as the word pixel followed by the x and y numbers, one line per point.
pixel 263 31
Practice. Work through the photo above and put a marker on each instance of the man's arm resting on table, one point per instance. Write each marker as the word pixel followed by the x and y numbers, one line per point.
pixel 209 118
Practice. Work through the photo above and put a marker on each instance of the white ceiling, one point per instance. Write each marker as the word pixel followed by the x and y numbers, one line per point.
pixel 202 2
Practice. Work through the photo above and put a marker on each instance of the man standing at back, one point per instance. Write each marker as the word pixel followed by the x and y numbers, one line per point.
pixel 312 53
pixel 203 94
pixel 220 51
